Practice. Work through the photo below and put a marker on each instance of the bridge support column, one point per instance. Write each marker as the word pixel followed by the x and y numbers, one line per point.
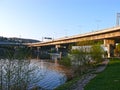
pixel 110 44
pixel 30 57
pixel 38 52
pixel 57 47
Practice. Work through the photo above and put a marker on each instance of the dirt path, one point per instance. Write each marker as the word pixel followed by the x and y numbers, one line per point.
pixel 86 78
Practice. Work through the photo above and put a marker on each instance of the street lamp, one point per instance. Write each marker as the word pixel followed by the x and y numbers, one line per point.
pixel 98 21
pixel 117 20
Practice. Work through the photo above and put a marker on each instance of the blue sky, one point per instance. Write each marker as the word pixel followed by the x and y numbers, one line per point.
pixel 55 18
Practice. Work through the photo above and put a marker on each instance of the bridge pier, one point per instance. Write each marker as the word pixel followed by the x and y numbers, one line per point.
pixel 38 53
pixel 110 44
pixel 57 47
pixel 62 49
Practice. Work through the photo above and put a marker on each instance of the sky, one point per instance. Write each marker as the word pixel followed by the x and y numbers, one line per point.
pixel 35 19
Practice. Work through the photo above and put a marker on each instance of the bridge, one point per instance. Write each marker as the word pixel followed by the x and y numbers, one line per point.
pixel 10 44
pixel 109 36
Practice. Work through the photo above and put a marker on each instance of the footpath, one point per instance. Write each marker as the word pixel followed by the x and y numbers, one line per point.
pixel 86 78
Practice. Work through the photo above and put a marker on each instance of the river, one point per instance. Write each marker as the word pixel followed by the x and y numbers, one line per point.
pixel 36 73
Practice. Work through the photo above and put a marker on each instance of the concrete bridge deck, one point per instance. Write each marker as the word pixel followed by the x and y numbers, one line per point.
pixel 109 33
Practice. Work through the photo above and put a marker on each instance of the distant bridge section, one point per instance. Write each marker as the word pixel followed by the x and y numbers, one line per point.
pixel 10 43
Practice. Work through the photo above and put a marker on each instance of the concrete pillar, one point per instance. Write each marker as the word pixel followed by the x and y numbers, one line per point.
pixel 57 46
pixel 31 52
pixel 38 52
pixel 60 55
pixel 110 44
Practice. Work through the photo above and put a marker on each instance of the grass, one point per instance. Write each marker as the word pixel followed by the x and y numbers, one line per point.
pixel 109 79
pixel 68 84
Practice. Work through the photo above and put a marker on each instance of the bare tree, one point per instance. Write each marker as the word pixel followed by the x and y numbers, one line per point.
pixel 18 75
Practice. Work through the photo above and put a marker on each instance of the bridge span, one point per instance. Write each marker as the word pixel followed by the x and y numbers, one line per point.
pixel 109 36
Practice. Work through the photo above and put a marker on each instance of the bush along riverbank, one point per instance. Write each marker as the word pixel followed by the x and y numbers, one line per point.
pixel 82 62
pixel 79 82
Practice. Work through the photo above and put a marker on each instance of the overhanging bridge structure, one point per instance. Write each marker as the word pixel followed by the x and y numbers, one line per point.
pixel 109 36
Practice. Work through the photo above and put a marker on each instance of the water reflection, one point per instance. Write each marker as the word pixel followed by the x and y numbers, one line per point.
pixel 29 74
pixel 53 76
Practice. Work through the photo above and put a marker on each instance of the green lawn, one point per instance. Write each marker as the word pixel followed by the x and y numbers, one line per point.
pixel 109 79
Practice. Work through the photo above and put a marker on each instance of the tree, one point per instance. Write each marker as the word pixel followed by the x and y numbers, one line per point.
pixel 66 61
pixel 18 74
pixel 96 53
pixel 80 59
pixel 81 56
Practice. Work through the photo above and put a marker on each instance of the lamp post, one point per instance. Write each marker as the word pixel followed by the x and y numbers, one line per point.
pixel 98 21
pixel 117 19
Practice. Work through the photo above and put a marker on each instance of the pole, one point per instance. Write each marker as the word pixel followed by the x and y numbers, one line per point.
pixel 117 20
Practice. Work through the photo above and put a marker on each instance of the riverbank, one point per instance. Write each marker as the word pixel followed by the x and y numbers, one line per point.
pixel 109 79
pixel 89 76
pixel 78 83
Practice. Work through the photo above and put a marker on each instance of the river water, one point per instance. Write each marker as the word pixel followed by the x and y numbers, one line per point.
pixel 53 75
pixel 36 73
